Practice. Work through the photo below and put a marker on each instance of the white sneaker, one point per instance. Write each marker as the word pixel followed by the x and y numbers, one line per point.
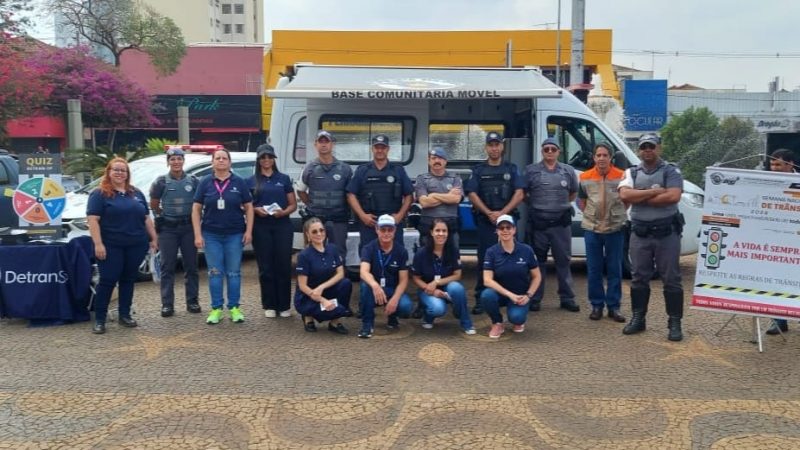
pixel 287 313
pixel 270 313
pixel 470 331
pixel 519 328
pixel 427 326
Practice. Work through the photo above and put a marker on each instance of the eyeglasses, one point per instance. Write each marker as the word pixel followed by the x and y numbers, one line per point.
pixel 647 146
pixel 386 229
pixel 550 149
pixel 114 169
pixel 505 227
pixel 317 231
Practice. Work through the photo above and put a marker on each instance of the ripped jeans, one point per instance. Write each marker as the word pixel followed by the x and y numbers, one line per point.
pixel 223 253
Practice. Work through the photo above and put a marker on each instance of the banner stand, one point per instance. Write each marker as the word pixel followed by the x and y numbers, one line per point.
pixel 757 334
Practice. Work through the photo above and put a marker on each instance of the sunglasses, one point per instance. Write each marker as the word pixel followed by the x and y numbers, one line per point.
pixel 550 149
pixel 386 229
pixel 266 156
pixel 647 146
pixel 317 231
pixel 505 227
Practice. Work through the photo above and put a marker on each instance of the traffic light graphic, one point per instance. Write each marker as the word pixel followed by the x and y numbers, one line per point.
pixel 714 247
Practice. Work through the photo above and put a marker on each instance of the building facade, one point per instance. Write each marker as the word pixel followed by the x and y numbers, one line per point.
pixel 215 20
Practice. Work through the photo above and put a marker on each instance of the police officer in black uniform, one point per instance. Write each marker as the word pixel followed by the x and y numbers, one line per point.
pixel 379 187
pixel 322 187
pixel 653 189
pixel 171 200
pixel 495 188
pixel 438 192
pixel 551 188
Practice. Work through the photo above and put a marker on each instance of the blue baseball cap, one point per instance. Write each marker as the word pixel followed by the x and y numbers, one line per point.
pixel 551 141
pixel 380 139
pixel 175 152
pixel 439 151
pixel 325 134
pixel 649 138
pixel 494 137
pixel 386 220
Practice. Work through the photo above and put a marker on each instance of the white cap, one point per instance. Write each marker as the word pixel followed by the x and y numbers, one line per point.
pixel 386 220
pixel 504 218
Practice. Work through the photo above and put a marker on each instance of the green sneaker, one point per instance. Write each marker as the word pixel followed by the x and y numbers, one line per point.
pixel 236 315
pixel 215 316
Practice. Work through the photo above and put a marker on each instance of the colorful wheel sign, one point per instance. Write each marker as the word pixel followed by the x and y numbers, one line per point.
pixel 39 200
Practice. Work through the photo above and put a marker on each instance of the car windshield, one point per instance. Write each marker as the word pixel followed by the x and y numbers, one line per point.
pixel 143 173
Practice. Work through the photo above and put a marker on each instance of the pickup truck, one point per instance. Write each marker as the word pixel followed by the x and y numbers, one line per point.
pixel 9 179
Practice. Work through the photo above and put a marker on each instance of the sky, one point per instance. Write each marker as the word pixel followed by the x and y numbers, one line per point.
pixel 714 44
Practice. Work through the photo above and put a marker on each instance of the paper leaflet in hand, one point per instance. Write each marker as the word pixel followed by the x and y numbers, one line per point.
pixel 272 208
pixel 333 300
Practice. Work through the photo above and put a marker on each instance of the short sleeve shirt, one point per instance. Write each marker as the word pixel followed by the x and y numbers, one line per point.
pixel 385 265
pixel 318 266
pixel 235 194
pixel 273 189
pixel 511 270
pixel 359 177
pixel 122 217
pixel 427 265
pixel 428 183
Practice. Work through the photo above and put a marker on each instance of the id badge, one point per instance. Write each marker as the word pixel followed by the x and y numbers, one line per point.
pixel 437 277
pixel 221 204
pixel 383 282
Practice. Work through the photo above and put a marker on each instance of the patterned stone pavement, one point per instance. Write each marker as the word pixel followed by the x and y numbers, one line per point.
pixel 567 382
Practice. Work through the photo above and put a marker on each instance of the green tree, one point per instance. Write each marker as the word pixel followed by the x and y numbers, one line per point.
pixel 122 25
pixel 697 139
pixel 12 18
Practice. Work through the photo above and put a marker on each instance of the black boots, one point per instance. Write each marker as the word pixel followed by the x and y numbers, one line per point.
pixel 640 297
pixel 674 304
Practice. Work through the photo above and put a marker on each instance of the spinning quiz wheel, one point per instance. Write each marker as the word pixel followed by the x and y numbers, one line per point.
pixel 39 201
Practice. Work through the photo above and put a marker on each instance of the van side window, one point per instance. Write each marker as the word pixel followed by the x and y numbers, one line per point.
pixel 299 153
pixel 577 138
pixel 354 136
pixel 462 141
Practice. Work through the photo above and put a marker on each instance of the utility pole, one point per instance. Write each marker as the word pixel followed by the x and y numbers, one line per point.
pixel 558 46
pixel 576 61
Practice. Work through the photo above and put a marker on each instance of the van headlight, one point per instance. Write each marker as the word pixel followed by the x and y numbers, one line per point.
pixel 693 200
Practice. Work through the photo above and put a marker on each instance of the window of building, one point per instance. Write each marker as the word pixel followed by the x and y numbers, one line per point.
pixel 238 8
pixel 226 8
pixel 240 28
pixel 226 29
pixel 218 23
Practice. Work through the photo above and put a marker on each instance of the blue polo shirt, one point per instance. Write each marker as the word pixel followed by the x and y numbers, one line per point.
pixel 122 217
pixel 385 265
pixel 273 189
pixel 318 266
pixel 223 221
pixel 511 270
pixel 360 176
pixel 427 265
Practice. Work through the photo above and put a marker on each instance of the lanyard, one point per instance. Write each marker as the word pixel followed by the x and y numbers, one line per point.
pixel 383 264
pixel 224 186
pixel 437 266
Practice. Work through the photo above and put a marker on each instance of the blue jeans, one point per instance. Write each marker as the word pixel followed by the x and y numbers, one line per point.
pixel 437 307
pixel 367 305
pixel 120 268
pixel 604 250
pixel 491 300
pixel 341 291
pixel 224 260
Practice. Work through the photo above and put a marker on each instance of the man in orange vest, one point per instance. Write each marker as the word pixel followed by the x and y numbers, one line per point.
pixel 603 218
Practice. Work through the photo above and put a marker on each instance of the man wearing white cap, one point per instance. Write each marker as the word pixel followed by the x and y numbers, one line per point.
pixel 384 277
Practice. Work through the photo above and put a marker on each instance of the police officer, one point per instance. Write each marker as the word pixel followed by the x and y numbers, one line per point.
pixel 171 200
pixel 322 188
pixel 495 188
pixel 653 189
pixel 379 187
pixel 439 193
pixel 551 188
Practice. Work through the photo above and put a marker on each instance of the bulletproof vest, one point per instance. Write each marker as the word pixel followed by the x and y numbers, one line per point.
pixel 549 191
pixel 176 201
pixel 494 185
pixel 439 185
pixel 326 189
pixel 643 180
pixel 382 191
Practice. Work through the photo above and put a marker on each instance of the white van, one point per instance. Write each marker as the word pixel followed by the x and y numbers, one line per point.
pixel 454 108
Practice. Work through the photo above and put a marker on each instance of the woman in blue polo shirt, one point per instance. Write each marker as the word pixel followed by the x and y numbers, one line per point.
pixel 120 225
pixel 273 202
pixel 436 270
pixel 511 276
pixel 323 292
pixel 222 218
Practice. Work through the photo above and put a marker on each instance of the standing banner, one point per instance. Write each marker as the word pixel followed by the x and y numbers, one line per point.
pixel 39 198
pixel 749 258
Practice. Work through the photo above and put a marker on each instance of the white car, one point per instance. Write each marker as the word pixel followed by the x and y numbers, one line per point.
pixel 143 172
